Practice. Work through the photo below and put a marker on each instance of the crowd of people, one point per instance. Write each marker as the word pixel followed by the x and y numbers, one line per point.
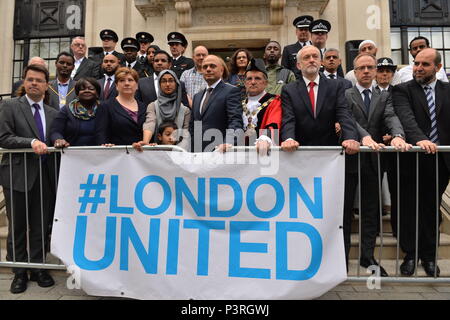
pixel 147 96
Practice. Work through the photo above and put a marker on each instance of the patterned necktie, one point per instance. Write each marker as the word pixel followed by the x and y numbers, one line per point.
pixel 38 121
pixel 366 93
pixel 432 107
pixel 107 87
pixel 312 97
pixel 205 102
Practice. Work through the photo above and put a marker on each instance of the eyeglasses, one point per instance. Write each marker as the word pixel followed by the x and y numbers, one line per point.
pixel 362 68
pixel 249 79
pixel 34 79
pixel 167 81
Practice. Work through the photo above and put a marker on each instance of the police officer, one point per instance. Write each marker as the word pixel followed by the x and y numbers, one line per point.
pixel 289 58
pixel 145 39
pixel 130 47
pixel 319 35
pixel 178 44
pixel 109 42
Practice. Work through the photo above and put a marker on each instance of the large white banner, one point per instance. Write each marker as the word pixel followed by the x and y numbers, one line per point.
pixel 171 225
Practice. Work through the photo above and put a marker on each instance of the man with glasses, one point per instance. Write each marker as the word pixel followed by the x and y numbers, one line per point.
pixel 30 197
pixel 84 67
pixel 373 112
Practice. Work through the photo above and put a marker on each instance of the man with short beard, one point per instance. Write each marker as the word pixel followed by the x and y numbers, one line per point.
pixel 421 105
pixel 309 114
pixel 277 75
pixel 107 84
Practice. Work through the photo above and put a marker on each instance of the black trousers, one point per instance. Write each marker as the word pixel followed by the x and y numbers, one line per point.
pixel 29 228
pixel 370 205
pixel 429 197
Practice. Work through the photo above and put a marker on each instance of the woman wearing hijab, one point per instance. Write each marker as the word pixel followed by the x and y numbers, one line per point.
pixel 167 108
pixel 75 123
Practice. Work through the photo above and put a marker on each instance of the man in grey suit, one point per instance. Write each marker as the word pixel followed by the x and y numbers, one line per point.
pixel 216 110
pixel 61 91
pixel 28 184
pixel 373 112
pixel 84 67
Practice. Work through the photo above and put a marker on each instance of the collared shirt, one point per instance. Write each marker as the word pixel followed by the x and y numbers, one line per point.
pixel 41 113
pixel 432 85
pixel 406 74
pixel 213 87
pixel 130 65
pixel 274 86
pixel 316 89
pixel 361 90
pixel 307 43
pixel 193 81
pixel 155 79
pixel 327 74
pixel 63 90
pixel 382 89
pixel 77 65
pixel 252 105
pixel 113 78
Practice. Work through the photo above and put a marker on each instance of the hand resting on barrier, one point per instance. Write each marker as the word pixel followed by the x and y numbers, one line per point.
pixel 39 147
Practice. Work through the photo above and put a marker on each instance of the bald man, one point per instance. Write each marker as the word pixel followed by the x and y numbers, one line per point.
pixel 193 78
pixel 216 110
pixel 18 84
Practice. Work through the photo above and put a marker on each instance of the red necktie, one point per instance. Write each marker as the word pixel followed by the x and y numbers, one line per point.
pixel 311 97
pixel 107 88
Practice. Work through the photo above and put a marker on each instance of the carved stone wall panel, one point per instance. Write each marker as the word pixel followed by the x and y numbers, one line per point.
pixel 230 16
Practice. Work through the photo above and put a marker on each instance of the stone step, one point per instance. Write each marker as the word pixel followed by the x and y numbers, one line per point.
pixel 393 268
pixel 390 247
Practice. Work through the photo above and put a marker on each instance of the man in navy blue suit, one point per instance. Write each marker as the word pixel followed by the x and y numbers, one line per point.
pixel 217 110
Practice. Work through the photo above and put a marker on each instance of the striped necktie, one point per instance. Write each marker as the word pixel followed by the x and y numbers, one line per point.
pixel 432 107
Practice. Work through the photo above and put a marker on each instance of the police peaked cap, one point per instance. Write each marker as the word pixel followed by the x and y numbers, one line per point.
pixel 109 34
pixel 144 37
pixel 129 43
pixel 176 37
pixel 320 26
pixel 256 65
pixel 386 63
pixel 303 21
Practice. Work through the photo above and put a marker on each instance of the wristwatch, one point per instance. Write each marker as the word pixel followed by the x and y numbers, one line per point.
pixel 398 136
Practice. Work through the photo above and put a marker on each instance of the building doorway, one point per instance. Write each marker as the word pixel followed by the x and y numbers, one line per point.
pixel 226 48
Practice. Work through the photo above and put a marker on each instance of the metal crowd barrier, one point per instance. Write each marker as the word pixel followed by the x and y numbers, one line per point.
pixel 359 277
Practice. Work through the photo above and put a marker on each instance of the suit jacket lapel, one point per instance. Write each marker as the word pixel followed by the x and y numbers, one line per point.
pixel 359 101
pixel 321 94
pixel 305 96
pixel 374 102
pixel 212 97
pixel 420 97
pixel 82 66
pixel 26 109
pixel 439 93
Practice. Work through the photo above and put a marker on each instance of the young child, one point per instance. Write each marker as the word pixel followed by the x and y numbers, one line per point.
pixel 166 133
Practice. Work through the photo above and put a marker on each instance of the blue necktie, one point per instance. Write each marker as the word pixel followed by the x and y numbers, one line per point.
pixel 367 100
pixel 432 107
pixel 38 121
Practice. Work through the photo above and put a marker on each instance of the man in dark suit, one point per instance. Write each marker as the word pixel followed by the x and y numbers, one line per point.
pixel 178 44
pixel 421 105
pixel 319 35
pixel 148 87
pixel 61 91
pixel 373 112
pixel 331 62
pixel 130 47
pixel 109 42
pixel 289 57
pixel 84 67
pixel 216 110
pixel 311 107
pixel 25 122
pixel 107 82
